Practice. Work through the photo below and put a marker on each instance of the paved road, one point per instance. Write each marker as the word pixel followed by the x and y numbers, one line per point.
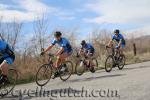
pixel 131 83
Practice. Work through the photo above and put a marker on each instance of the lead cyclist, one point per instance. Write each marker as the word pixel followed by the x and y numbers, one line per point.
pixel 121 43
pixel 7 57
pixel 63 53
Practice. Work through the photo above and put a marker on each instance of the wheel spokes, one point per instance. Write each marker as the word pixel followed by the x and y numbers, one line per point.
pixel 67 70
pixel 43 75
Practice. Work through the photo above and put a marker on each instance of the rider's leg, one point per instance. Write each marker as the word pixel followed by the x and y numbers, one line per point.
pixel 61 58
pixel 90 55
pixel 64 56
pixel 4 68
pixel 122 49
pixel 90 63
pixel 58 61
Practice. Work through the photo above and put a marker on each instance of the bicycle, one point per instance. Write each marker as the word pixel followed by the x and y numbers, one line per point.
pixel 46 71
pixel 82 66
pixel 7 87
pixel 114 59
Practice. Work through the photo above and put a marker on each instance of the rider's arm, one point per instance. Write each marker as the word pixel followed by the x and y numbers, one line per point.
pixel 110 43
pixel 49 48
pixel 119 44
pixel 60 51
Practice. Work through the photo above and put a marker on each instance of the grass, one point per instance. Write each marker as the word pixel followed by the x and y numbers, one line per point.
pixel 27 73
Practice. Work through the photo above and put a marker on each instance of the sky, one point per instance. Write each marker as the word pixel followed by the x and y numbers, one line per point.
pixel 130 16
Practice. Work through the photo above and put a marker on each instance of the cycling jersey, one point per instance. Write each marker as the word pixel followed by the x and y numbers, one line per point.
pixel 118 38
pixel 6 53
pixel 63 42
pixel 89 48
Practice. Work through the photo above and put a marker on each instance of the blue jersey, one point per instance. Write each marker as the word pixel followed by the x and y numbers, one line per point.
pixel 118 38
pixel 88 46
pixel 3 46
pixel 63 42
pixel 6 52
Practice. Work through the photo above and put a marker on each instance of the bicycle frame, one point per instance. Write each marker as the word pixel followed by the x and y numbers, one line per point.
pixel 115 52
pixel 50 59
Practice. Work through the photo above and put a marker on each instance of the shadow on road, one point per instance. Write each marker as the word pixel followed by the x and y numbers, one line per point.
pixel 125 68
pixel 94 78
pixel 131 68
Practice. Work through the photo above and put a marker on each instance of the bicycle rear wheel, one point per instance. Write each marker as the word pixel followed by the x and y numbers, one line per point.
pixel 109 63
pixel 67 72
pixel 43 75
pixel 6 88
pixel 121 62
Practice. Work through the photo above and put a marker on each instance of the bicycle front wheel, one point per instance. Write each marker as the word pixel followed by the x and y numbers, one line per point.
pixel 80 67
pixel 67 72
pixel 6 88
pixel 95 63
pixel 109 63
pixel 43 75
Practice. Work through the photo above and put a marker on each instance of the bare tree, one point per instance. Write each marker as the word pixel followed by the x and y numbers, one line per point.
pixel 40 30
pixel 10 31
pixel 1 28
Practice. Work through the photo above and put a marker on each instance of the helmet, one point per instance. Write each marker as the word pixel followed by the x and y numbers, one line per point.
pixel 57 34
pixel 83 42
pixel 116 31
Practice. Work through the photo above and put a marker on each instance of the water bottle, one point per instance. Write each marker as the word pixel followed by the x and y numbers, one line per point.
pixel 81 64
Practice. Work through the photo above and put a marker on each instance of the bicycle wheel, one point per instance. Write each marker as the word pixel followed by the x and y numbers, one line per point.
pixel 6 88
pixel 95 62
pixel 43 75
pixel 121 62
pixel 68 69
pixel 80 68
pixel 109 63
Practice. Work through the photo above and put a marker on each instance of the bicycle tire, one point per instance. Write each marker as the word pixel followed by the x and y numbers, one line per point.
pixel 47 79
pixel 122 66
pixel 6 86
pixel 77 67
pixel 70 71
pixel 112 63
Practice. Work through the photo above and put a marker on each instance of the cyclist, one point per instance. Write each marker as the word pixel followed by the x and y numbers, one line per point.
pixel 87 50
pixel 118 37
pixel 64 52
pixel 7 57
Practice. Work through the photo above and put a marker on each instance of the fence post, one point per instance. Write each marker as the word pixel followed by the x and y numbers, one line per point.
pixel 134 49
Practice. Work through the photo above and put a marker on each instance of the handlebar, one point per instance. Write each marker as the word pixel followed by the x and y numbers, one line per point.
pixel 51 55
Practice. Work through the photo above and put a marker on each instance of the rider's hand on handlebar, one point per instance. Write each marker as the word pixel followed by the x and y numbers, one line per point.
pixel 117 47
pixel 107 46
pixel 42 53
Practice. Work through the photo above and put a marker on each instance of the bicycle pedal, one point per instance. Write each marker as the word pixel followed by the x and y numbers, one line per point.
pixel 114 65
